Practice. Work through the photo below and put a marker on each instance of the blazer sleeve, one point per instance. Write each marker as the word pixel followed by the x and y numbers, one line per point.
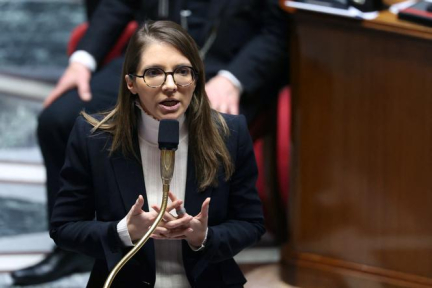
pixel 264 57
pixel 73 224
pixel 245 224
pixel 106 26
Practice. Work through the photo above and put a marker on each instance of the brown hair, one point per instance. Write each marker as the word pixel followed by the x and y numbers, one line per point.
pixel 207 128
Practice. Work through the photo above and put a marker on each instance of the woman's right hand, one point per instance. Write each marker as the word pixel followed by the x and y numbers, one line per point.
pixel 138 221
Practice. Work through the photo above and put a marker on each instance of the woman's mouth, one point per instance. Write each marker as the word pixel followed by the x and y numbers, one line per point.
pixel 169 105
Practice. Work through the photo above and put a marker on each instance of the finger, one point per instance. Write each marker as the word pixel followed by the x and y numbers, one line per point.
pixel 167 216
pixel 174 205
pixel 177 205
pixel 204 209
pixel 172 196
pixel 49 100
pixel 179 222
pixel 155 236
pixel 181 211
pixel 180 232
pixel 84 89
pixel 56 93
pixel 162 231
pixel 137 207
pixel 66 82
pixel 170 206
pixel 172 222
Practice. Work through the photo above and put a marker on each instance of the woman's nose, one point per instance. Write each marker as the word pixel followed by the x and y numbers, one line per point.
pixel 170 83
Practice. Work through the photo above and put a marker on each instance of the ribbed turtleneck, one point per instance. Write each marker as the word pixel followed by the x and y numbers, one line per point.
pixel 169 260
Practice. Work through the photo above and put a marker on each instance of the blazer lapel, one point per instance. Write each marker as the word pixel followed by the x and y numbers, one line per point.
pixel 193 203
pixel 193 197
pixel 130 180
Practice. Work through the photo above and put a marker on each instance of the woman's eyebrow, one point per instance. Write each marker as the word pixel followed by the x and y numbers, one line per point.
pixel 182 65
pixel 152 66
pixel 164 67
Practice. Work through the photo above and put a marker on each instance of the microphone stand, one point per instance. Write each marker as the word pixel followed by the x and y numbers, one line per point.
pixel 167 170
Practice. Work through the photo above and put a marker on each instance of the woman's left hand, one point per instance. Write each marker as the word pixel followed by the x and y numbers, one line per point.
pixel 194 233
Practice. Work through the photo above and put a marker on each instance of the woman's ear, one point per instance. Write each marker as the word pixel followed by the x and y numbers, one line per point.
pixel 130 83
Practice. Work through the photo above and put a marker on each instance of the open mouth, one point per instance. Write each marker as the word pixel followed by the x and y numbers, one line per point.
pixel 169 103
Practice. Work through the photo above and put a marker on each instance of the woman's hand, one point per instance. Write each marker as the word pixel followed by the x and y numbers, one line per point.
pixel 138 221
pixel 193 230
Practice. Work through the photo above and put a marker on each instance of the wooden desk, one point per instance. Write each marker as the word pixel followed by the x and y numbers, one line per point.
pixel 361 196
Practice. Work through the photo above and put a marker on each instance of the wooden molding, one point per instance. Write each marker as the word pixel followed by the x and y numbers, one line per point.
pixel 344 269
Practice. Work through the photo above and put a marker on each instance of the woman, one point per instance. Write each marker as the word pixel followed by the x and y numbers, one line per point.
pixel 111 175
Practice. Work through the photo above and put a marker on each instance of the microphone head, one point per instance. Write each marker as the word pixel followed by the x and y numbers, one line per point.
pixel 168 137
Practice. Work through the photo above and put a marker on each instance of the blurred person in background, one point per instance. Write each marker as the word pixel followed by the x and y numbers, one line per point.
pixel 244 48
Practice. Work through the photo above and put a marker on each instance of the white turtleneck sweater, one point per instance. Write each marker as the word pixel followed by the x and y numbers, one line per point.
pixel 169 260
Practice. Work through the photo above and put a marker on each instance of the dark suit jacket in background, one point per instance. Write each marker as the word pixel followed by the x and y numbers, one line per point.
pixel 251 41
pixel 93 183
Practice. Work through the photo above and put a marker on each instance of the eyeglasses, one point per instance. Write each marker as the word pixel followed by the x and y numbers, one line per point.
pixel 155 77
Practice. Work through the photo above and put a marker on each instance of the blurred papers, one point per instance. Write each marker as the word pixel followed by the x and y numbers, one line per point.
pixel 350 12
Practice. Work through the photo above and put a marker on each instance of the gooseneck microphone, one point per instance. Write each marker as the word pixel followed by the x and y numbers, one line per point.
pixel 168 140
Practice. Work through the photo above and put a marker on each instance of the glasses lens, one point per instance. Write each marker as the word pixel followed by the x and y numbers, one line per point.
pixel 154 77
pixel 183 76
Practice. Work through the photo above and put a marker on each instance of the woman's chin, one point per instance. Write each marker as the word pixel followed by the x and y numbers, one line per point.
pixel 172 116
pixel 169 114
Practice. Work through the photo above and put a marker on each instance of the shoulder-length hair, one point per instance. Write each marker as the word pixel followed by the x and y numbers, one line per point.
pixel 207 128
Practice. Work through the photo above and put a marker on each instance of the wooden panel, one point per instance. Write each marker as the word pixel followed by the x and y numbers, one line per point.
pixel 362 189
pixel 388 21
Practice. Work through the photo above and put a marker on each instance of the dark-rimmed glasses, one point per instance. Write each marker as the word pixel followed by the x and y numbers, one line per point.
pixel 155 77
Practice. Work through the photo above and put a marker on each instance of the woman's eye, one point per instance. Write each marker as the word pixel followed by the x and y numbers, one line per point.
pixel 153 72
pixel 184 71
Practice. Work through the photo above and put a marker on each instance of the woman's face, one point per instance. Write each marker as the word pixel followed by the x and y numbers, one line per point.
pixel 168 101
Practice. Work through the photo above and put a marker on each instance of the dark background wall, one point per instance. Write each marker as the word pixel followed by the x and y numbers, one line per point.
pixel 34 33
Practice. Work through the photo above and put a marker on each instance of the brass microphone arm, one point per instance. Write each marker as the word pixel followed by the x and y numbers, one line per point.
pixel 167 170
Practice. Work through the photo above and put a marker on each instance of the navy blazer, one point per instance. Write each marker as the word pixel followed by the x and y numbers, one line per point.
pixel 98 190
